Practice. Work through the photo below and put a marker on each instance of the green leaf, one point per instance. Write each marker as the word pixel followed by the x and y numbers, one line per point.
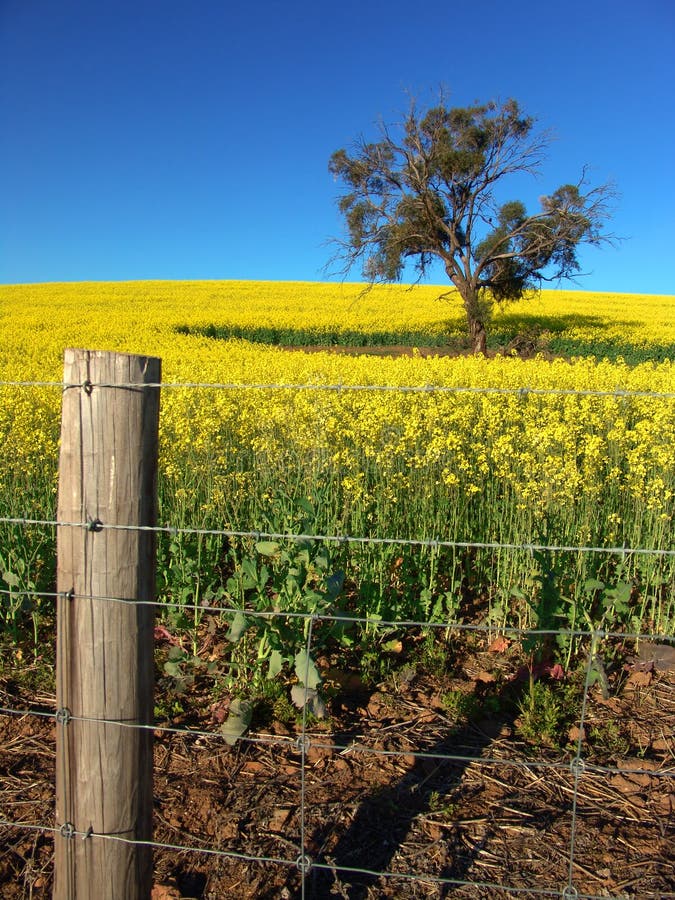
pixel 306 506
pixel 172 669
pixel 321 560
pixel 292 583
pixel 622 594
pixel 237 722
pixel 267 548
pixel 302 557
pixel 237 628
pixel 11 579
pixel 393 646
pixel 303 696
pixel 276 664
pixel 592 584
pixel 306 670
pixel 313 600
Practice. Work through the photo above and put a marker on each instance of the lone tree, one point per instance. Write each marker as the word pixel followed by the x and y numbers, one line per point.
pixel 429 193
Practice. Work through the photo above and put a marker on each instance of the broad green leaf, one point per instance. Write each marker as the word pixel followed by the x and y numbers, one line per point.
pixel 237 722
pixel 321 560
pixel 302 558
pixel 10 578
pixel 237 628
pixel 267 548
pixel 312 600
pixel 592 584
pixel 306 670
pixel 393 646
pixel 172 669
pixel 303 696
pixel 276 664
pixel 293 581
pixel 248 582
pixel 622 593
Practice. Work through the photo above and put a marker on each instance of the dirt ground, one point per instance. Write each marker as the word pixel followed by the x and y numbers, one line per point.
pixel 386 812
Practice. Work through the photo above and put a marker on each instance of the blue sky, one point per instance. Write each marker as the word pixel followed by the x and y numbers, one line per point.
pixel 186 139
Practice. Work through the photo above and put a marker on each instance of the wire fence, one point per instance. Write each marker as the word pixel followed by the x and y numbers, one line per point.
pixel 428 543
pixel 575 769
pixel 313 869
pixel 618 393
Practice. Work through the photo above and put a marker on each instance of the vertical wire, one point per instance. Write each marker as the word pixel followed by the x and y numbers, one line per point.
pixel 303 859
pixel 577 766
pixel 63 715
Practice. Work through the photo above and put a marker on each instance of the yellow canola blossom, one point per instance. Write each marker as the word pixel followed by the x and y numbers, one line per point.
pixel 148 317
pixel 431 463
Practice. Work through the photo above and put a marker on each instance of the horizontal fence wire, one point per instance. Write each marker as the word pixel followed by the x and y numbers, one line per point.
pixel 353 747
pixel 305 865
pixel 315 865
pixel 427 543
pixel 371 621
pixel 577 766
pixel 619 393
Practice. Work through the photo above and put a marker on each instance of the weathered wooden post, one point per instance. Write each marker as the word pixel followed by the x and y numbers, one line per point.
pixel 104 666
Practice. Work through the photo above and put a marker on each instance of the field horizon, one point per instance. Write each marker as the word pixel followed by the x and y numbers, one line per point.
pixel 571 323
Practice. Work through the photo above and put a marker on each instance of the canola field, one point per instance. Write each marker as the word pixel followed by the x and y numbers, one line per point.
pixel 527 456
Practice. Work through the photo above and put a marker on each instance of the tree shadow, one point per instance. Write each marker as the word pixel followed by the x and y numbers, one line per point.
pixel 314 338
pixel 526 318
pixel 384 818
pixel 525 331
pixel 573 334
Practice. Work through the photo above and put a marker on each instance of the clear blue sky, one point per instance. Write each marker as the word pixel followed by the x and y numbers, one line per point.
pixel 187 139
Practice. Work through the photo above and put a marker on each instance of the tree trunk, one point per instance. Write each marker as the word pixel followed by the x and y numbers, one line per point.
pixel 477 309
pixel 478 335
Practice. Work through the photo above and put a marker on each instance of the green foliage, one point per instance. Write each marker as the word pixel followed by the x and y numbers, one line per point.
pixel 189 576
pixel 441 806
pixel 183 667
pixel 546 712
pixel 460 705
pixel 277 589
pixel 238 720
pixel 609 737
pixel 429 193
pixel 433 654
pixel 603 607
pixel 535 333
pixel 20 601
pixel 544 595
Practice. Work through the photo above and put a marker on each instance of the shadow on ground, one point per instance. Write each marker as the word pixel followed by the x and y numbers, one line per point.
pixel 384 818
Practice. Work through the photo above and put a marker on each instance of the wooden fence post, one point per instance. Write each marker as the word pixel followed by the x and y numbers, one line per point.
pixel 104 665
